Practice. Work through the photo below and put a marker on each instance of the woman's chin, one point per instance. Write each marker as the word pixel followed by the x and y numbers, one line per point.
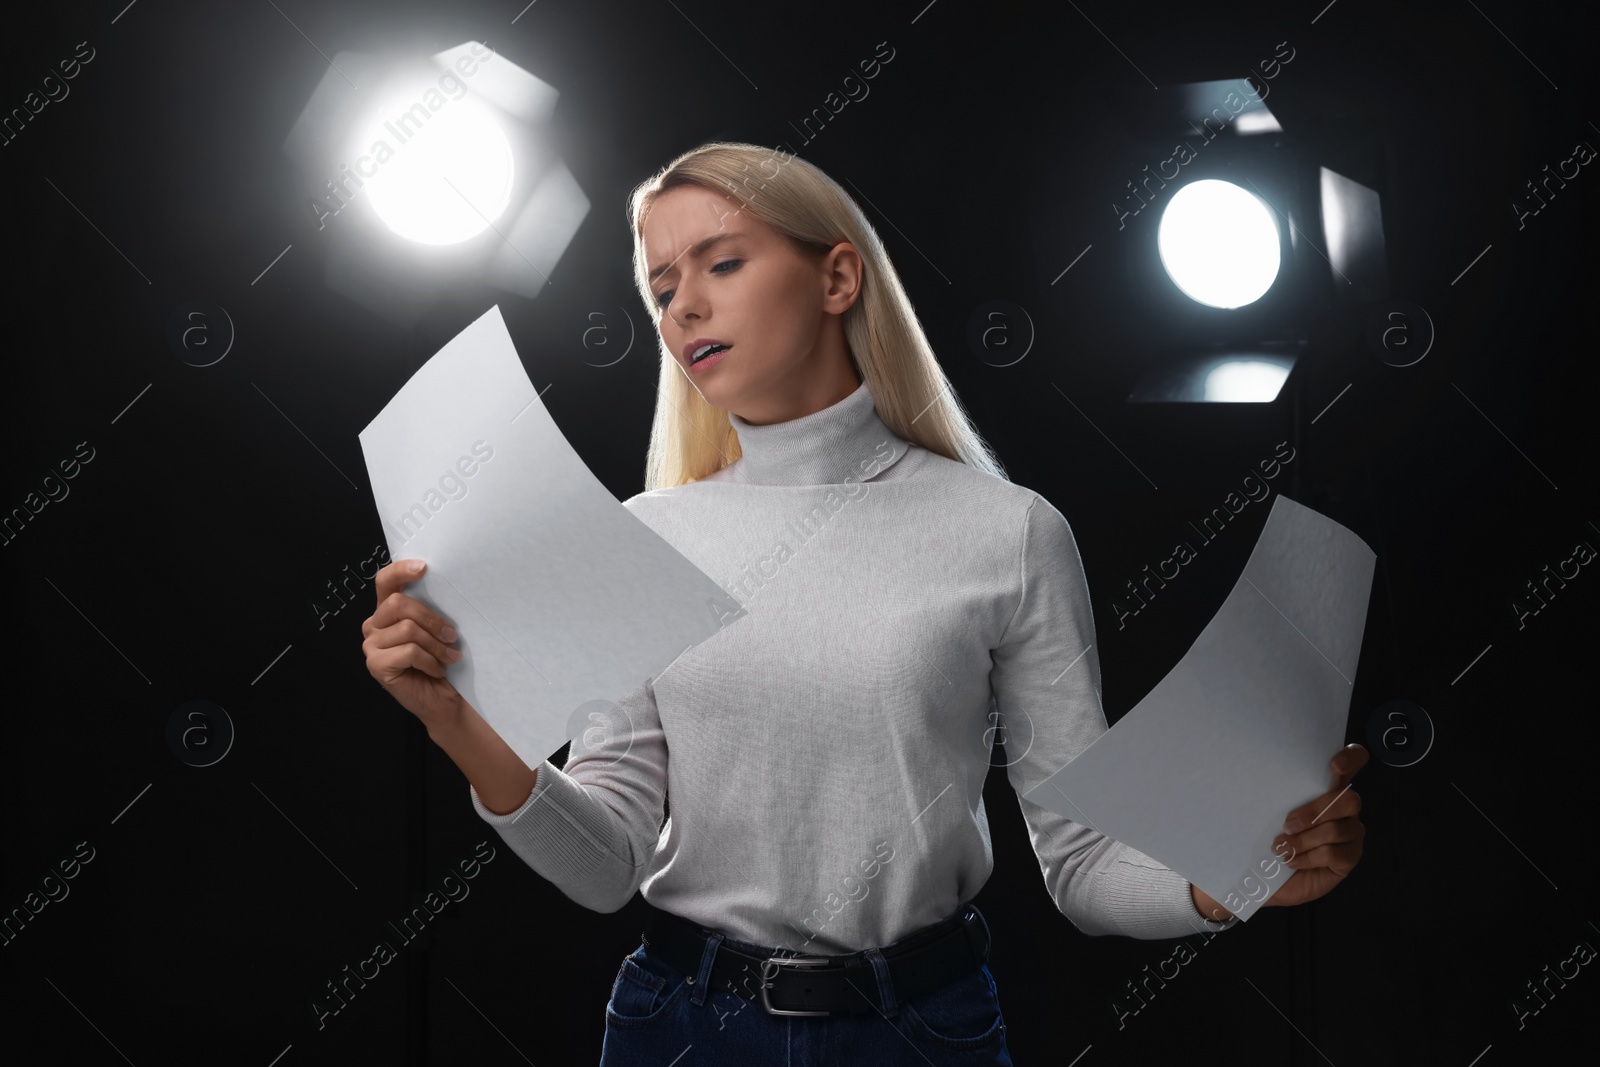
pixel 714 389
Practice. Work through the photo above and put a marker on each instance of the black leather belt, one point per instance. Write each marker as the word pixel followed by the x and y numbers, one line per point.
pixel 922 961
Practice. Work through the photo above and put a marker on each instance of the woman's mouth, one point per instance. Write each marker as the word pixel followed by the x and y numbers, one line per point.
pixel 712 356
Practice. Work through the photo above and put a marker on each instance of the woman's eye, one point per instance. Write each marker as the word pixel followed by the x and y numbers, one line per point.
pixel 666 294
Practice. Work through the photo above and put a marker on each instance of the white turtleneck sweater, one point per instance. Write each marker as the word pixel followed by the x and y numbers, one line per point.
pixel 826 753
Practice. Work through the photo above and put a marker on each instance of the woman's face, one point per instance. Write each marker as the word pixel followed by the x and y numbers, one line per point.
pixel 727 277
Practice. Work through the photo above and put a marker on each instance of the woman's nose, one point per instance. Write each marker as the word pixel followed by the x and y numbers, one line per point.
pixel 685 306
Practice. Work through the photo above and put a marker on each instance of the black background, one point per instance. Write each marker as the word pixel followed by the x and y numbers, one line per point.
pixel 191 549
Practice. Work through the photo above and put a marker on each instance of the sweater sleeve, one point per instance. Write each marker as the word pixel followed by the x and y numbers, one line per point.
pixel 592 827
pixel 1046 685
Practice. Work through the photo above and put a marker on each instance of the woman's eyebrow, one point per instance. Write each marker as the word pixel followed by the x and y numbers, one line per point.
pixel 693 250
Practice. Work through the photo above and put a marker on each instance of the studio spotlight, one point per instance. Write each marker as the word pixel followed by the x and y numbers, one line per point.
pixel 1219 243
pixel 452 184
pixel 425 176
pixel 1258 244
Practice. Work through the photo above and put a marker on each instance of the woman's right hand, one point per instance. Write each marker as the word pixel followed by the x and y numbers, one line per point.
pixel 408 647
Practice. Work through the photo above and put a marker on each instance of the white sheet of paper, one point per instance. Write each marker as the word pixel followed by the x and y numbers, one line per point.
pixel 1201 773
pixel 564 600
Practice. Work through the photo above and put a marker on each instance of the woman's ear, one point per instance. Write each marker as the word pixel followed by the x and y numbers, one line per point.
pixel 843 272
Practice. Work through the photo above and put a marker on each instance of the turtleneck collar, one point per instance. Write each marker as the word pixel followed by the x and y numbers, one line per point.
pixel 844 442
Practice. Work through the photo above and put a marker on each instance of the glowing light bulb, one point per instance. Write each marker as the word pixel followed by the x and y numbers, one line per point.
pixel 1219 243
pixel 446 182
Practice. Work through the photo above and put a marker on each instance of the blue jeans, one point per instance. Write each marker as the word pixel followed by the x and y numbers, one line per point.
pixel 660 1017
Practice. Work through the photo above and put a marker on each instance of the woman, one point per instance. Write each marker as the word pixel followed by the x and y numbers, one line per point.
pixel 810 890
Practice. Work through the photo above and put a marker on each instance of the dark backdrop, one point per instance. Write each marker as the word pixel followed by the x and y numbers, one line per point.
pixel 211 904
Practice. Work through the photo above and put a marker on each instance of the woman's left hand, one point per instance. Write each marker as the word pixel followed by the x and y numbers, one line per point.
pixel 1327 845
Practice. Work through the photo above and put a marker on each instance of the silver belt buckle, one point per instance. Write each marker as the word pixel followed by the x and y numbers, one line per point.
pixel 769 970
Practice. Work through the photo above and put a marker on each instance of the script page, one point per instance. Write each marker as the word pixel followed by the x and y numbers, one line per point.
pixel 1201 773
pixel 563 599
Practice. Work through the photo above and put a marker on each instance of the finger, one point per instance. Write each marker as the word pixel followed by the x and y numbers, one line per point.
pixel 395 576
pixel 1339 858
pixel 1346 765
pixel 1339 804
pixel 409 631
pixel 398 605
pixel 388 664
pixel 387 583
pixel 1327 832
pixel 394 605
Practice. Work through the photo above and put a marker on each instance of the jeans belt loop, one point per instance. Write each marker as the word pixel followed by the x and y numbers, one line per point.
pixel 702 980
pixel 973 919
pixel 889 1001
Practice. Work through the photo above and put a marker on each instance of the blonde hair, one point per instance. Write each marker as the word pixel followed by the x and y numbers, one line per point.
pixel 689 438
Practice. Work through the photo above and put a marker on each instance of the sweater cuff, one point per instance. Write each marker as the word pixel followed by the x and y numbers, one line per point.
pixel 1159 905
pixel 546 776
pixel 571 839
pixel 561 831
pixel 1198 922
